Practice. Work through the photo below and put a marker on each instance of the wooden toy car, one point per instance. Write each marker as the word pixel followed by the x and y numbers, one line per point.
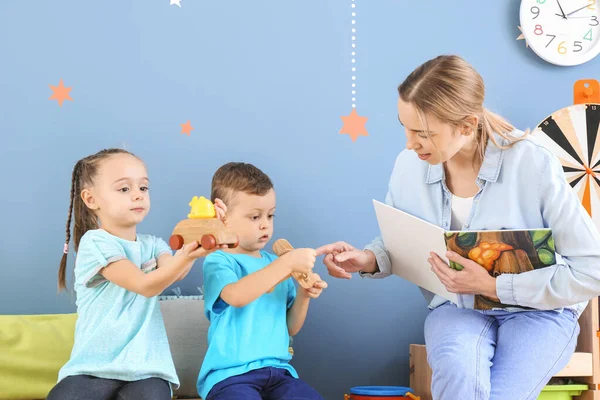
pixel 282 246
pixel 202 225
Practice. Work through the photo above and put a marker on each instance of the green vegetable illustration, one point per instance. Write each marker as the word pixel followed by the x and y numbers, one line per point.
pixel 546 256
pixel 466 239
pixel 456 266
pixel 539 237
pixel 550 244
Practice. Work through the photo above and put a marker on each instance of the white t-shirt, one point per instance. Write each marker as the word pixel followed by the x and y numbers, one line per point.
pixel 461 209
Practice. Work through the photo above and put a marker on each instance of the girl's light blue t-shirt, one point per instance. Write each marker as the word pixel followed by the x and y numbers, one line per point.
pixel 119 334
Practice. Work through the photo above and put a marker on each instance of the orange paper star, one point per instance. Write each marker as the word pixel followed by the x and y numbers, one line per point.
pixel 354 125
pixel 186 128
pixel 522 37
pixel 61 93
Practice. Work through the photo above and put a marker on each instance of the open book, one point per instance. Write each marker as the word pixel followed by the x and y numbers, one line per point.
pixel 409 240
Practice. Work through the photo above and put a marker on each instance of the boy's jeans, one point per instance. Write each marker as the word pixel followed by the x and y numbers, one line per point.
pixel 492 355
pixel 264 383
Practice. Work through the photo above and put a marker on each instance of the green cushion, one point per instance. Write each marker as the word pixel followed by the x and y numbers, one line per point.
pixel 33 348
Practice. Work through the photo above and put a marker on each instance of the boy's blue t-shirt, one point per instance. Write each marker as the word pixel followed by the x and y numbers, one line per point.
pixel 246 338
pixel 119 334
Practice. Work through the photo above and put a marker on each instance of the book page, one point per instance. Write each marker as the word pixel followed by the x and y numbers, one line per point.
pixel 409 240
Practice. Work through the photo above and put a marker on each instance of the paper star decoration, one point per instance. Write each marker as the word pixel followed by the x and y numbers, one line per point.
pixel 354 125
pixel 61 93
pixel 522 37
pixel 186 128
pixel 176 2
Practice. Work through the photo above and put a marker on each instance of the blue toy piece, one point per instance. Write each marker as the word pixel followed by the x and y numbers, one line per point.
pixel 372 392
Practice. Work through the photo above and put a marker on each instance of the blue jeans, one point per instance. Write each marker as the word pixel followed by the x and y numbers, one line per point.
pixel 492 355
pixel 264 383
pixel 85 387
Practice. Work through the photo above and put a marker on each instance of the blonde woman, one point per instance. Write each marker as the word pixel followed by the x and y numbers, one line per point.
pixel 467 168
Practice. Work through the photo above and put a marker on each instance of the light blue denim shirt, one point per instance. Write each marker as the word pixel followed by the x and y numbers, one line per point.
pixel 522 187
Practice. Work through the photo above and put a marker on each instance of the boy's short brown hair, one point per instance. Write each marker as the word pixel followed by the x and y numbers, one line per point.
pixel 236 177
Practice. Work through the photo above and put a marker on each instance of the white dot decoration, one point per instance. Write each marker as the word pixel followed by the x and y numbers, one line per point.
pixel 353 44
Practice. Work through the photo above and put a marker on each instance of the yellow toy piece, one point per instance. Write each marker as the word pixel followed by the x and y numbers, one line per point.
pixel 201 208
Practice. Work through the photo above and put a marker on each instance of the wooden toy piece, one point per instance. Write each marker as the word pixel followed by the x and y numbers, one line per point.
pixel 202 225
pixel 282 246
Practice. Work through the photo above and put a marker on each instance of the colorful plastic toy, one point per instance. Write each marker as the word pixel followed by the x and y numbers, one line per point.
pixel 380 393
pixel 202 225
pixel 201 208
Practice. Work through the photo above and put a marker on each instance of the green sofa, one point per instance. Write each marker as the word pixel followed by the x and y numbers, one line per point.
pixel 34 347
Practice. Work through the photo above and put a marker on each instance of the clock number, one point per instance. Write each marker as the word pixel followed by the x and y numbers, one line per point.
pixel 561 49
pixel 588 35
pixel 542 1
pixel 594 19
pixel 553 36
pixel 577 44
pixel 535 10
pixel 593 108
pixel 591 4
pixel 538 30
pixel 546 123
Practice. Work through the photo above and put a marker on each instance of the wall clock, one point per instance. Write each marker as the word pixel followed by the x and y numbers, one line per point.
pixel 562 32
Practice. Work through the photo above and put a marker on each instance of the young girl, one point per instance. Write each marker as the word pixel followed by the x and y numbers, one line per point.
pixel 467 168
pixel 121 349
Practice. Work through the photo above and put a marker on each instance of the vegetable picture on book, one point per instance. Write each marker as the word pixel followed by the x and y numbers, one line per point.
pixel 503 252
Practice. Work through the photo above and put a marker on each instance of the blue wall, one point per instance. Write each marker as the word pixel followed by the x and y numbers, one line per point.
pixel 264 82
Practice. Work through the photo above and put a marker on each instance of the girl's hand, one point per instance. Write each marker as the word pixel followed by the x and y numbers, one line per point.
pixel 220 209
pixel 317 288
pixel 472 279
pixel 193 250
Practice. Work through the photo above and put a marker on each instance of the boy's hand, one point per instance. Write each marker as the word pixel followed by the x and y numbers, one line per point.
pixel 317 288
pixel 220 209
pixel 301 260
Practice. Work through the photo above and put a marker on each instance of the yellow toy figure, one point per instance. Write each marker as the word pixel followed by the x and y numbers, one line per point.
pixel 201 208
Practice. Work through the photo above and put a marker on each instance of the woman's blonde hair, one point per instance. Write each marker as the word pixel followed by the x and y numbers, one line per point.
pixel 449 88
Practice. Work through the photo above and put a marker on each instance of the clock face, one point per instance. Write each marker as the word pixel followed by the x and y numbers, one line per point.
pixel 562 32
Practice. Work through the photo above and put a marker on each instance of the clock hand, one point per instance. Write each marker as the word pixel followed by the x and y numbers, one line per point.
pixel 573 12
pixel 561 10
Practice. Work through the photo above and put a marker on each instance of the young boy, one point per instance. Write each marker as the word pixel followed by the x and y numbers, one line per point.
pixel 250 329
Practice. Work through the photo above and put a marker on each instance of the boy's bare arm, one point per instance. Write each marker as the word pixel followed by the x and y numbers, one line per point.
pixel 296 315
pixel 251 287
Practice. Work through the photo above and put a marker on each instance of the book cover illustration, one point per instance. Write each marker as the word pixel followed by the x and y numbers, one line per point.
pixel 502 252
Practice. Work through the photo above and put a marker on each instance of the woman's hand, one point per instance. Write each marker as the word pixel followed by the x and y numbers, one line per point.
pixel 472 279
pixel 343 259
